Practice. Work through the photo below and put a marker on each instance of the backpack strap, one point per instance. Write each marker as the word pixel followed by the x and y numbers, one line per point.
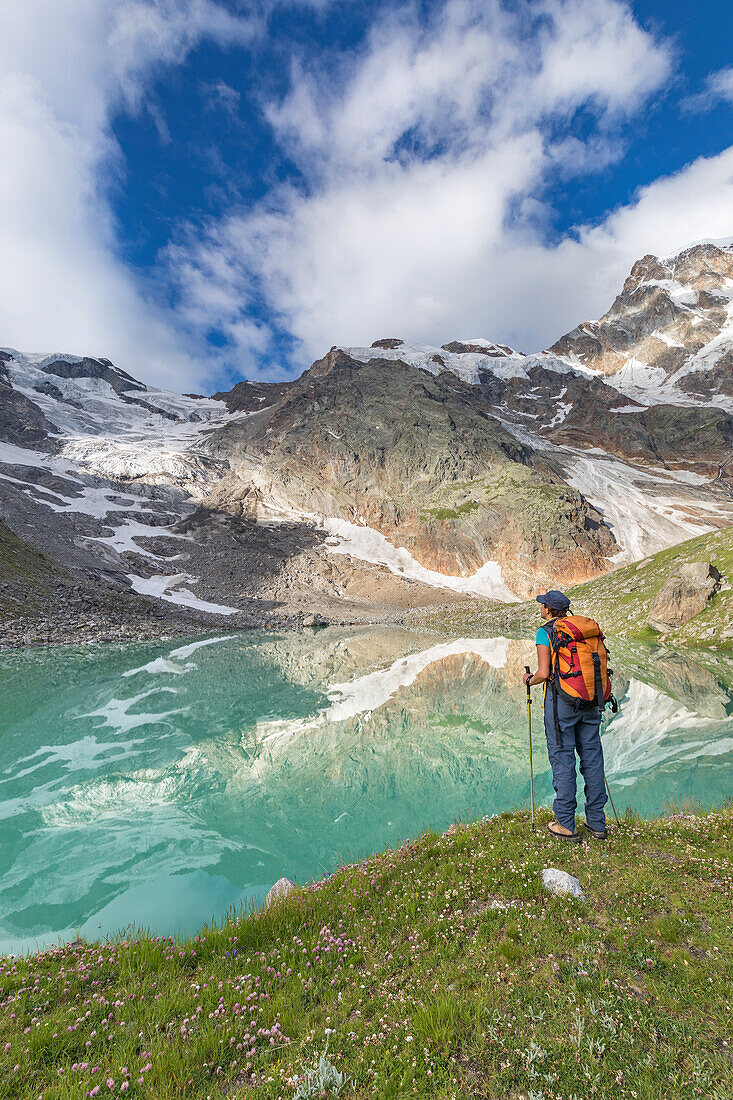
pixel 598 682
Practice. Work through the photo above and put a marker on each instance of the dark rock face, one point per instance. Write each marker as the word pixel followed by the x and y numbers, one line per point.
pixel 21 422
pixel 252 396
pixel 709 383
pixel 668 435
pixel 94 368
pixel 550 400
pixel 125 397
pixel 496 351
pixel 685 594
pixel 390 342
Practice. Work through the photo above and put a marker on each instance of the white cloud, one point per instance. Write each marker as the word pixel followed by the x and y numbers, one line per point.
pixel 718 89
pixel 593 51
pixel 422 209
pixel 544 291
pixel 65 65
pixel 222 96
pixel 425 158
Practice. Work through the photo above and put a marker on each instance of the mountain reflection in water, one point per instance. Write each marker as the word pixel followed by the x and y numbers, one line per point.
pixel 159 785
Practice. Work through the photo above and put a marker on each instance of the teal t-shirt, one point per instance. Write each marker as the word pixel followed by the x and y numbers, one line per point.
pixel 543 638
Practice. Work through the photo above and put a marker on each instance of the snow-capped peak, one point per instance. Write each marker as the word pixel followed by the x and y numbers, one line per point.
pixel 723 243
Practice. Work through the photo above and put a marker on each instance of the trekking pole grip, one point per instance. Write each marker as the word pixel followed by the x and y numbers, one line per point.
pixel 526 669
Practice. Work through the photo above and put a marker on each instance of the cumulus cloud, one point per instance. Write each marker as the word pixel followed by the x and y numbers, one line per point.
pixel 545 291
pixel 425 159
pixel 423 199
pixel 65 66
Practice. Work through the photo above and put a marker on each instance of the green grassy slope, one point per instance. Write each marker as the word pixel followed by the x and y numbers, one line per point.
pixel 622 599
pixel 619 600
pixel 438 969
pixel 25 575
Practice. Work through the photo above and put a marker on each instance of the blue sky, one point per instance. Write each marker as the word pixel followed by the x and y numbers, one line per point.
pixel 205 190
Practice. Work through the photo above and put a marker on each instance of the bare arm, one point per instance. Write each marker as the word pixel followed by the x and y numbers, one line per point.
pixel 543 667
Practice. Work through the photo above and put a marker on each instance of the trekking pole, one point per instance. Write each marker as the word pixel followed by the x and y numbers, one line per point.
pixel 529 723
pixel 610 796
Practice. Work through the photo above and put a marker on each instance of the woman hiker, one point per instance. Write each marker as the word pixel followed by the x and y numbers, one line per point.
pixel 577 730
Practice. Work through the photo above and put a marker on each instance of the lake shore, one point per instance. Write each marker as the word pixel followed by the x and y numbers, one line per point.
pixel 72 626
pixel 77 618
pixel 438 968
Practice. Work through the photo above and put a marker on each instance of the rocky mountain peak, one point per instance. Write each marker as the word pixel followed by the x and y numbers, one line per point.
pixel 668 336
pixel 98 369
pixel 703 266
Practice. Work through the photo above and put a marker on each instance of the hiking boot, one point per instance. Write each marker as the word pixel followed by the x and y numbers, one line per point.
pixel 597 834
pixel 561 833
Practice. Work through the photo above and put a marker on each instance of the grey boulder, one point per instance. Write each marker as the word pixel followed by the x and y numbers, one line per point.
pixel 560 882
pixel 683 595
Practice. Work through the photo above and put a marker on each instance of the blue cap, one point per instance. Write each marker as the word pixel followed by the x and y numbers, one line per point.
pixel 558 601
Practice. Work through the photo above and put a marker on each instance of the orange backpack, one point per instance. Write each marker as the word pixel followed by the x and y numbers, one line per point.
pixel 579 661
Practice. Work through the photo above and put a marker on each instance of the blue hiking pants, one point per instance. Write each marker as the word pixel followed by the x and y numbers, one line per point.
pixel 579 732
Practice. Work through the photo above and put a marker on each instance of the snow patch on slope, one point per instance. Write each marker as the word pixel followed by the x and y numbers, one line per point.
pixel 366 544
pixel 166 588
pixel 647 511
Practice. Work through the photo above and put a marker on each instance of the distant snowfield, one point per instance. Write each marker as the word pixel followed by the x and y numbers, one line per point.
pixel 129 460
pixel 647 510
pixel 91 407
pixel 366 544
pixel 467 365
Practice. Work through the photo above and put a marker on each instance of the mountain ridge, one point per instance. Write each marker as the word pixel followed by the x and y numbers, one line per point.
pixel 384 475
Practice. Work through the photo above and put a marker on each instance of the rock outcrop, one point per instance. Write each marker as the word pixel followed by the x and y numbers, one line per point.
pixel 684 594
pixel 560 882
pixel 421 459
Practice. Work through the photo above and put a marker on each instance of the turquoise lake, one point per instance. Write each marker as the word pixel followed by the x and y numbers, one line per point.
pixel 160 785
